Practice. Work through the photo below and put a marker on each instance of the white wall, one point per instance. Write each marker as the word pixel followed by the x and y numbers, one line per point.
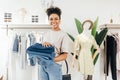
pixel 80 9
pixel 33 7
pixel 89 9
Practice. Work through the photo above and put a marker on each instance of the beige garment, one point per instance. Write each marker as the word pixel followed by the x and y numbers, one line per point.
pixel 83 44
pixel 118 52
pixel 60 40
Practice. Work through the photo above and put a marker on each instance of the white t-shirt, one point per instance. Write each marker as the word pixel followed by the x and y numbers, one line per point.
pixel 58 39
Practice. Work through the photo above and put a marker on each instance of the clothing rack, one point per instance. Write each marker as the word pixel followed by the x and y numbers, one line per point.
pixel 24 26
pixel 113 29
pixel 110 26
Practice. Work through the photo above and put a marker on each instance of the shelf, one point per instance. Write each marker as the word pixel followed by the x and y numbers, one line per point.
pixel 110 26
pixel 26 26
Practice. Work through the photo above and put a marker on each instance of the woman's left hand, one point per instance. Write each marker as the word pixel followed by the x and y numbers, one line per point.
pixel 46 44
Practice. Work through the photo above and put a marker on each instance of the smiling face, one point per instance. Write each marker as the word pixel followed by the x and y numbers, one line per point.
pixel 54 21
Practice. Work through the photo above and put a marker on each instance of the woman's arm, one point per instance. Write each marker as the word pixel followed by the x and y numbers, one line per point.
pixel 61 57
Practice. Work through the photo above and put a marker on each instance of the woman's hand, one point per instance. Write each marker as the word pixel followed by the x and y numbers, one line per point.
pixel 46 44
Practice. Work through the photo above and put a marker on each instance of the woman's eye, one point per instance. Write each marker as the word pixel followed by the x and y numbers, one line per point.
pixel 56 18
pixel 51 19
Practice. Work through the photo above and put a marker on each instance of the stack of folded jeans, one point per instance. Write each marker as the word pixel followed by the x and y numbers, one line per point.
pixel 43 55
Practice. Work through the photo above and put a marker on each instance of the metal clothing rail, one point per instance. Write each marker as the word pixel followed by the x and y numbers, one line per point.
pixel 110 26
pixel 26 26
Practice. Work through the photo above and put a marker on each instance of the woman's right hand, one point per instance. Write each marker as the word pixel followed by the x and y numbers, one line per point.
pixel 46 44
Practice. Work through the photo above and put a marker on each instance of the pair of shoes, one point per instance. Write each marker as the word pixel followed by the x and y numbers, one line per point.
pixel 1 78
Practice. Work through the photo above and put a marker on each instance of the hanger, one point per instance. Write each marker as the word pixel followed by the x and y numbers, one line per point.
pixel 113 34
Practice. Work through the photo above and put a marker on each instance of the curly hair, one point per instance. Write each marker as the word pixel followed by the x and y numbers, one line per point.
pixel 54 10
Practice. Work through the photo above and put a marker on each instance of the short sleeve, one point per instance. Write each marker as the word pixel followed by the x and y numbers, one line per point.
pixel 65 43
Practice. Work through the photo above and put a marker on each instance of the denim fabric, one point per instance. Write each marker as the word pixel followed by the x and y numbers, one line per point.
pixel 44 55
pixel 52 72
pixel 38 48
pixel 41 59
pixel 32 39
pixel 16 43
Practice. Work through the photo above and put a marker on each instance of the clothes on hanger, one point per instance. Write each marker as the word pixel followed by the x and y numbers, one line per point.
pixel 111 50
pixel 22 42
pixel 17 40
pixel 118 50
pixel 118 55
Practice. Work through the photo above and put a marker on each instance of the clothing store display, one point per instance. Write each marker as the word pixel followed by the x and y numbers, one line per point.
pixel 66 76
pixel 19 39
pixel 83 45
pixel 111 49
pixel 19 47
pixel 44 55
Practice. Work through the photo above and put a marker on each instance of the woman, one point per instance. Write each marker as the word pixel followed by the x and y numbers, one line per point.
pixel 57 38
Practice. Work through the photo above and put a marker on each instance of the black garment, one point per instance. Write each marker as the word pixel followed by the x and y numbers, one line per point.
pixel 111 49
